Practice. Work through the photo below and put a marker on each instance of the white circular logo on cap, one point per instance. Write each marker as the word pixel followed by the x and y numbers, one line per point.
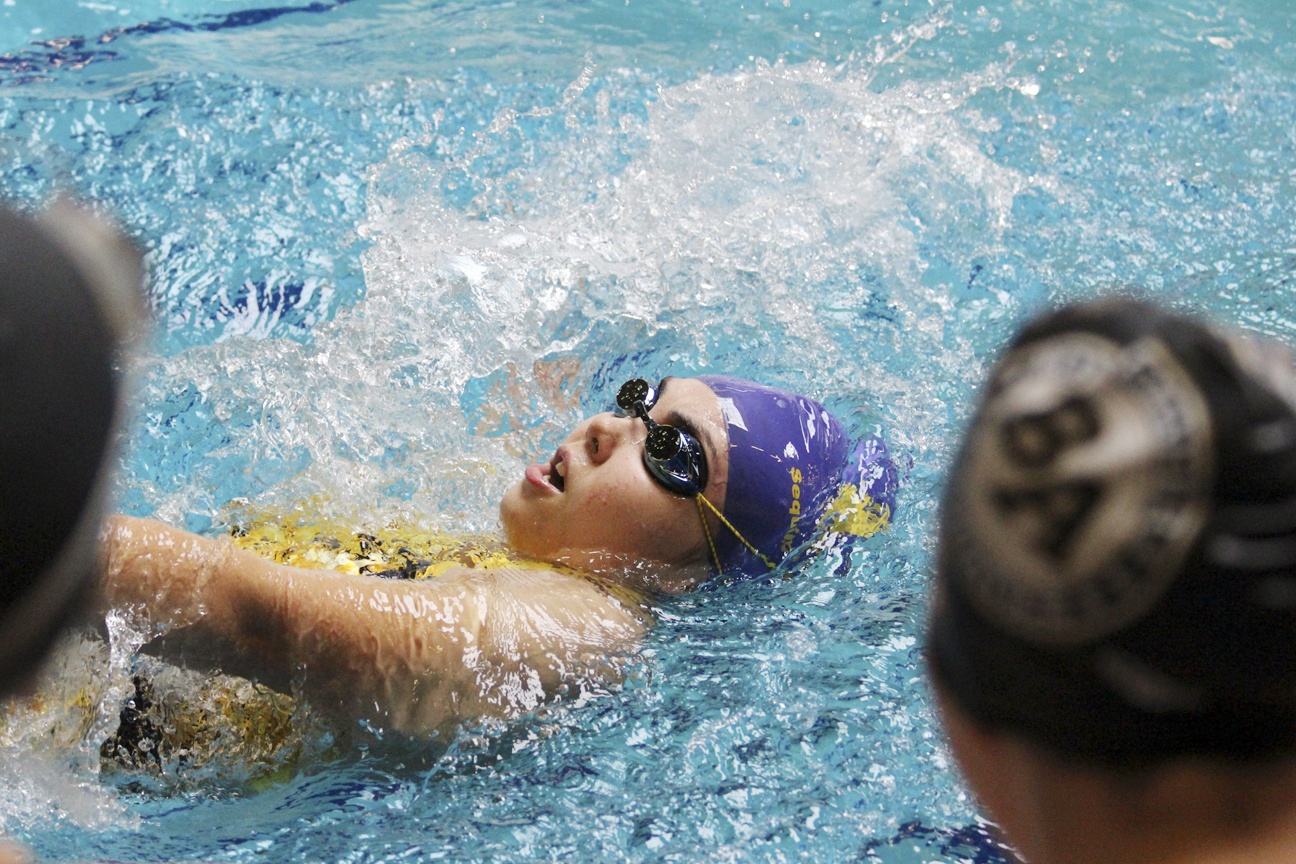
pixel 1085 483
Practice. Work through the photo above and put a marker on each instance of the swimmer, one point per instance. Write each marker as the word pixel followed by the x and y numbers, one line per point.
pixel 684 480
pixel 70 298
pixel 1113 632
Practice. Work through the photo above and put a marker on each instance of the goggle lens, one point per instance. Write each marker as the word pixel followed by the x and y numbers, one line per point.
pixel 672 456
pixel 634 393
pixel 663 443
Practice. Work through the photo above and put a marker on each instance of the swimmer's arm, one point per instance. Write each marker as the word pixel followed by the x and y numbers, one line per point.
pixel 417 656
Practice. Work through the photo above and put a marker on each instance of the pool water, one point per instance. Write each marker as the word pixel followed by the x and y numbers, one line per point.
pixel 397 248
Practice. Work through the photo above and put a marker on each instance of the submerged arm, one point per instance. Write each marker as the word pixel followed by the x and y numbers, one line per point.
pixel 418 656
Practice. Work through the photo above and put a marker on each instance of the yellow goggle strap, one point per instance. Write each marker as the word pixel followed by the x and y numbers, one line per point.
pixel 715 556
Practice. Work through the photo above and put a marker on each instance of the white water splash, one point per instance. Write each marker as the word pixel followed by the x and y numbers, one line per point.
pixel 737 210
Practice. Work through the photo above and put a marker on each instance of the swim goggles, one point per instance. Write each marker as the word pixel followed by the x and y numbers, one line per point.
pixel 676 460
pixel 672 456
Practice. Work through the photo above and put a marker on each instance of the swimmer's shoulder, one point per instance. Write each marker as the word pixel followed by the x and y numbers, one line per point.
pixel 553 586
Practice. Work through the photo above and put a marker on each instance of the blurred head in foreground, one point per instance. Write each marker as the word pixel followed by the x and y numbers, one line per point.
pixel 69 298
pixel 1113 631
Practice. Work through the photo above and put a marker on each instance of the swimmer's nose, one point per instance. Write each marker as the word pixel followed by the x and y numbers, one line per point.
pixel 605 433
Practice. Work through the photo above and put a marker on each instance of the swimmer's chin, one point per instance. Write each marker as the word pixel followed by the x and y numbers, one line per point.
pixel 647 576
pixel 511 512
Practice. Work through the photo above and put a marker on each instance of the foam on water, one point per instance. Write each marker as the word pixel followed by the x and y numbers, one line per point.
pixel 747 222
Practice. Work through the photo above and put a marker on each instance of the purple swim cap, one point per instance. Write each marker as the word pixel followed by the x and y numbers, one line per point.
pixel 792 465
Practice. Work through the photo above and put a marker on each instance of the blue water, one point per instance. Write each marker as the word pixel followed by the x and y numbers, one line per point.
pixel 397 248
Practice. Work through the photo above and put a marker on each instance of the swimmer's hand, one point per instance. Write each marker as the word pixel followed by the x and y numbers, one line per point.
pixel 418 656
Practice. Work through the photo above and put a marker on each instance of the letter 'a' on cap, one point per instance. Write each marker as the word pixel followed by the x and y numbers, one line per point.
pixel 1116 573
pixel 65 281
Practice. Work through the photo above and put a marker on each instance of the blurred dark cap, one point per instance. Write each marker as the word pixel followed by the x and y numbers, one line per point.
pixel 68 282
pixel 1116 573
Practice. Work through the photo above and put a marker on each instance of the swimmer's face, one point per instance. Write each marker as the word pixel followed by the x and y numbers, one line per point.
pixel 595 505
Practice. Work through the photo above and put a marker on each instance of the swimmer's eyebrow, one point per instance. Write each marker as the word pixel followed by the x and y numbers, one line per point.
pixel 689 425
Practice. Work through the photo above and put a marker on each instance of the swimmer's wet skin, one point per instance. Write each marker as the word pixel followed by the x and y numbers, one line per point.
pixel 607 524
pixel 416 656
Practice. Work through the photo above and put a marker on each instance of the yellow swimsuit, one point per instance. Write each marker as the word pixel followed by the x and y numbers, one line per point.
pixel 391 552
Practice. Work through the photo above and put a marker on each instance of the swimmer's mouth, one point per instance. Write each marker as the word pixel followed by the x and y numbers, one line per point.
pixel 558 471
